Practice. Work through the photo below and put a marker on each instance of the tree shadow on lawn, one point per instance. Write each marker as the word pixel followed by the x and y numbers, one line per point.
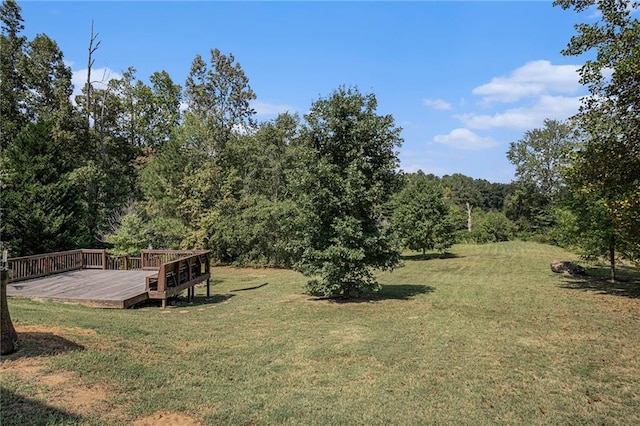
pixel 430 256
pixel 36 344
pixel 19 410
pixel 387 292
pixel 597 280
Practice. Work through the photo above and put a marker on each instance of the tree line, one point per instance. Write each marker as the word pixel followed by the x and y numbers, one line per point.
pixel 128 164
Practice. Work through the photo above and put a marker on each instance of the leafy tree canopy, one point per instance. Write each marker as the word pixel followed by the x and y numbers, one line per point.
pixel 350 173
pixel 421 217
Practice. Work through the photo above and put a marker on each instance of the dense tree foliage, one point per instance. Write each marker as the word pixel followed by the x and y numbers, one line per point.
pixel 421 216
pixel 13 88
pixel 606 168
pixel 348 174
pixel 465 193
pixel 541 158
pixel 41 199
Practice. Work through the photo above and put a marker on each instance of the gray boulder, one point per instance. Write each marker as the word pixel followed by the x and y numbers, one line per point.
pixel 570 268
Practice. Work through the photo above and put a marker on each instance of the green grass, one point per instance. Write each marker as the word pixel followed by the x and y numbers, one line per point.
pixel 488 336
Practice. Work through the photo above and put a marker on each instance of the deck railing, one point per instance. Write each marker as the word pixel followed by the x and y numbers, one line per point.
pixel 27 267
pixel 153 259
pixel 177 275
pixel 124 263
pixel 94 259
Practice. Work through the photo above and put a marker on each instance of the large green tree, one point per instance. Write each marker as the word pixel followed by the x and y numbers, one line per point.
pixel 41 200
pixel 196 168
pixel 607 165
pixel 219 94
pixel 421 216
pixel 40 143
pixel 541 157
pixel 349 175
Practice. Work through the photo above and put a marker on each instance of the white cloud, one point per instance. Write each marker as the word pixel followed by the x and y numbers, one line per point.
pixel 465 139
pixel 265 108
pixel 533 79
pixel 436 104
pixel 99 76
pixel 553 107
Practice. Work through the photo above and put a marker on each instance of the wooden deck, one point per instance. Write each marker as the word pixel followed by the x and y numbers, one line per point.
pixel 91 277
pixel 90 287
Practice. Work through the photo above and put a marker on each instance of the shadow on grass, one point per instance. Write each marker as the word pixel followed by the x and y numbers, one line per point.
pixel 213 299
pixel 597 280
pixel 404 291
pixel 35 344
pixel 387 292
pixel 181 301
pixel 430 256
pixel 19 410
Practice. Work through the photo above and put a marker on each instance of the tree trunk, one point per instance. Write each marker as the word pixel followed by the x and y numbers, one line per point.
pixel 8 334
pixel 612 257
pixel 90 61
pixel 469 223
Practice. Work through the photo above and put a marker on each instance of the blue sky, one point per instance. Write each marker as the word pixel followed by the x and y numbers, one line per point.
pixel 463 79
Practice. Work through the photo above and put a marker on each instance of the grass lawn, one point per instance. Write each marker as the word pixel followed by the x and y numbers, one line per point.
pixel 487 336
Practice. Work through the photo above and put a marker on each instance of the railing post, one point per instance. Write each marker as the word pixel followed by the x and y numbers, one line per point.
pixel 162 279
pixel 104 259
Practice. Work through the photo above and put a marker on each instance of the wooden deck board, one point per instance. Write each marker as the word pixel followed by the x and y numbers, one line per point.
pixel 92 287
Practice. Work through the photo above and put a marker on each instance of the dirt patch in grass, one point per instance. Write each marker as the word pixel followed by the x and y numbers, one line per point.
pixel 36 341
pixel 164 418
pixel 58 389
pixel 34 391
